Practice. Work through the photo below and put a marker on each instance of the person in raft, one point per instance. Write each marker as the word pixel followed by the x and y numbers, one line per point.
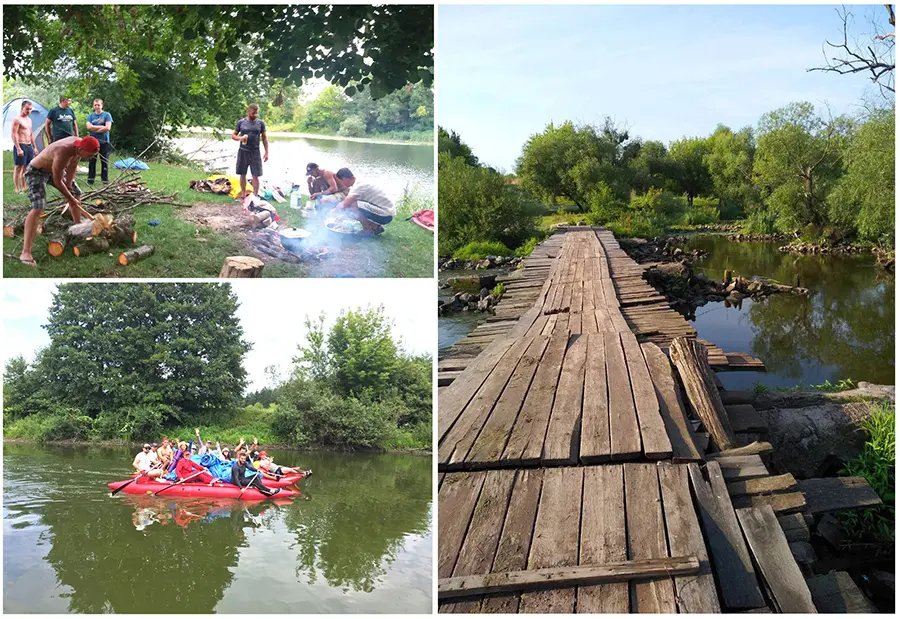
pixel 266 465
pixel 165 453
pixel 146 462
pixel 186 468
pixel 55 165
pixel 243 474
pixel 249 131
pixel 366 203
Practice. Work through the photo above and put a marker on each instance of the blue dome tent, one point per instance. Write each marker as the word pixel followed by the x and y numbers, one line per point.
pixel 38 115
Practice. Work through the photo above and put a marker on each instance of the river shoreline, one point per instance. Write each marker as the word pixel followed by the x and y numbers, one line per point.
pixel 197 131
pixel 314 448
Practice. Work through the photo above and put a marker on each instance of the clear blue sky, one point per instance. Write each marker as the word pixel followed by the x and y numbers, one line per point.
pixel 504 72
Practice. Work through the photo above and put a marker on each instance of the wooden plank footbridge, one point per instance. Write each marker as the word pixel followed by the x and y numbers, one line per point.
pixel 579 471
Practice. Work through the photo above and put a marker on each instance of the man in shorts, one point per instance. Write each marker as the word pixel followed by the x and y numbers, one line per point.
pixel 55 165
pixel 24 147
pixel 366 203
pixel 248 132
pixel 60 121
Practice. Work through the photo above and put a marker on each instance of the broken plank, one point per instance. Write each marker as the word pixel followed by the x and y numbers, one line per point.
pixel 832 494
pixel 737 468
pixel 762 485
pixel 671 406
pixel 780 503
pixel 754 448
pixel 776 563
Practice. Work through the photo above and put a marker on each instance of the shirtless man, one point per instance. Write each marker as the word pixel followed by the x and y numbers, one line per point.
pixel 24 147
pixel 55 165
pixel 324 185
pixel 165 453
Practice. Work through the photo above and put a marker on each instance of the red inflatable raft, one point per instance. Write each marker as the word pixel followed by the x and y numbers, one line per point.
pixel 222 491
pixel 424 219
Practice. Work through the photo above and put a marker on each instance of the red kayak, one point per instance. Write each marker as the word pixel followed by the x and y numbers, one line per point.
pixel 222 491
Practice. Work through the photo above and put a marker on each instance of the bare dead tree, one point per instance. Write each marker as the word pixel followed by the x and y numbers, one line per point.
pixel 875 58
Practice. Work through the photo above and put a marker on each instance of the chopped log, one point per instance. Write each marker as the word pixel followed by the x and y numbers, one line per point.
pixel 560 577
pixel 122 231
pixel 242 266
pixel 76 233
pixel 91 245
pixel 56 245
pixel 133 255
pixel 689 357
pixel 9 231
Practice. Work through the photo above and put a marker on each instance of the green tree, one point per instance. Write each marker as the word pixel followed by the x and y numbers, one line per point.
pixel 362 352
pixel 453 145
pixel 688 167
pixel 178 346
pixel 325 111
pixel 865 194
pixel 797 163
pixel 729 160
pixel 651 167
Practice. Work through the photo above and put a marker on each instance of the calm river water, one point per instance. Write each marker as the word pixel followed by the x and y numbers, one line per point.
pixel 358 541
pixel 844 329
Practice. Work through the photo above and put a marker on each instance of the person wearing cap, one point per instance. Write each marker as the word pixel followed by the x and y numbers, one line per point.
pixel 55 165
pixel 60 121
pixel 147 463
pixel 249 131
pixel 324 185
pixel 98 125
pixel 366 203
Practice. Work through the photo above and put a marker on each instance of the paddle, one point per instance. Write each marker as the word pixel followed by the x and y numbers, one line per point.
pixel 181 481
pixel 131 481
pixel 258 471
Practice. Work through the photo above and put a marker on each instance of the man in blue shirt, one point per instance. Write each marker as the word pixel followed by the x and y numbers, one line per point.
pixel 98 124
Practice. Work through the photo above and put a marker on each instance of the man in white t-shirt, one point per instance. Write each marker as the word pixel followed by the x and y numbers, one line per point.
pixel 147 462
pixel 366 203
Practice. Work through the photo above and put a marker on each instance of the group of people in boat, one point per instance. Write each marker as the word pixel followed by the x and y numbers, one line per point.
pixel 248 463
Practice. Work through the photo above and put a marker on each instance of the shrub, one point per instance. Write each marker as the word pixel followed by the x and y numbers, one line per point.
pixel 705 211
pixel 761 221
pixel 876 465
pixel 144 421
pixel 352 127
pixel 478 250
pixel 638 225
pixel 656 202
pixel 528 246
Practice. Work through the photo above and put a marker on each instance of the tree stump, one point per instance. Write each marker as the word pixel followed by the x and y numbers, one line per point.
pixel 242 266
pixel 133 255
pixel 91 245
pixel 689 357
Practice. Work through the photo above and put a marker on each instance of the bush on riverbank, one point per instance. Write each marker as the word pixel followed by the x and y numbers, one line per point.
pixel 876 465
pixel 478 250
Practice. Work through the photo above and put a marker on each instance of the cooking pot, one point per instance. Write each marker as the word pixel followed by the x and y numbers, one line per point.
pixel 292 239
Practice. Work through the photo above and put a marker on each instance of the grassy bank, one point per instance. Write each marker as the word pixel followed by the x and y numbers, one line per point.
pixel 288 131
pixel 185 248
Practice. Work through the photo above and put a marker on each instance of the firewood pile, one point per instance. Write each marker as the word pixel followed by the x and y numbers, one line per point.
pixel 268 242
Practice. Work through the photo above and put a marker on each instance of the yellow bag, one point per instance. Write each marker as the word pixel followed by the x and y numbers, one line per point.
pixel 234 180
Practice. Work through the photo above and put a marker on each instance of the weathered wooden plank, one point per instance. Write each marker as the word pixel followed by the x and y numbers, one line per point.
pixel 646 537
pixel 595 409
pixel 584 575
pixel 737 468
pixel 563 432
pixel 837 593
pixel 781 504
pixel 832 494
pixel 456 443
pixel 754 448
pixel 696 594
pixel 794 527
pixel 776 563
pixel 671 407
pixel 744 418
pixel 624 434
pixel 729 554
pixel 526 442
pixel 515 540
pixel 555 542
pixel 456 503
pixel 603 536
pixel 762 485
pixel 654 439
pixel 689 358
pixel 477 553
pixel 488 447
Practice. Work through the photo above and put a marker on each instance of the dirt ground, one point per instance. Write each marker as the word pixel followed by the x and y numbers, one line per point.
pixel 347 255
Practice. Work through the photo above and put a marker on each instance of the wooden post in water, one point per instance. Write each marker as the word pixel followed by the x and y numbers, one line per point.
pixel 728 275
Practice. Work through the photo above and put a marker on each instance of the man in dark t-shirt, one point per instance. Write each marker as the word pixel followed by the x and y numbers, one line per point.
pixel 60 121
pixel 249 131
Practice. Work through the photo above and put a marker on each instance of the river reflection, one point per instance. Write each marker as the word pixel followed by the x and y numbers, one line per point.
pixel 358 539
pixel 844 329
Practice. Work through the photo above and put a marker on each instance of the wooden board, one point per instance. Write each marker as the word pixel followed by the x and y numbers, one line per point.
pixel 744 418
pixel 696 594
pixel 563 433
pixel 595 408
pixel 785 503
pixel 515 540
pixel 762 485
pixel 832 494
pixel 794 527
pixel 776 563
pixel 837 593
pixel 603 537
pixel 739 468
pixel 456 503
pixel 656 444
pixel 555 541
pixel 731 559
pixel 646 530
pixel 624 433
pixel 671 406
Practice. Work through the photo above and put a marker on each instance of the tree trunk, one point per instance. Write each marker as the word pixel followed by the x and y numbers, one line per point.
pixel 77 233
pixel 122 231
pixel 133 255
pixel 689 357
pixel 91 245
pixel 242 266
